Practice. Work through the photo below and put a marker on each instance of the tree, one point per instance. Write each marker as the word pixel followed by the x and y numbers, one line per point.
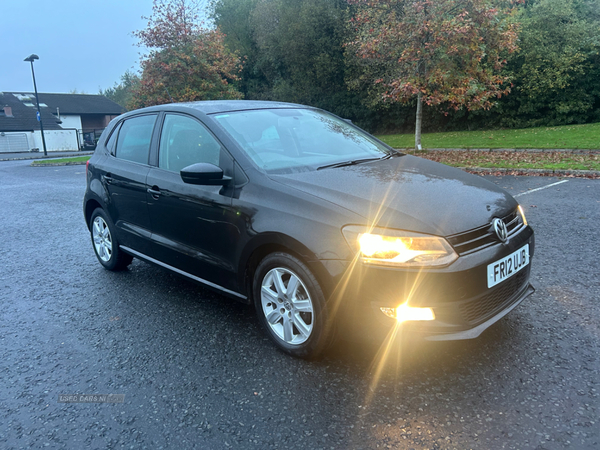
pixel 122 93
pixel 441 52
pixel 294 50
pixel 232 17
pixel 557 70
pixel 301 47
pixel 186 61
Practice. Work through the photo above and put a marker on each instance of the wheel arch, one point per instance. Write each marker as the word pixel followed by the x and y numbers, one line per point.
pixel 90 207
pixel 265 244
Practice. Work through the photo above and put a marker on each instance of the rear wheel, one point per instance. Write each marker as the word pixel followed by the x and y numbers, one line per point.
pixel 105 244
pixel 290 305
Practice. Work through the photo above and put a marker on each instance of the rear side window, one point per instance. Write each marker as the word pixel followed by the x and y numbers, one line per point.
pixel 133 142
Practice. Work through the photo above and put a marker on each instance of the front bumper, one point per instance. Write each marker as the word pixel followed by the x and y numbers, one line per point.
pixel 472 333
pixel 462 303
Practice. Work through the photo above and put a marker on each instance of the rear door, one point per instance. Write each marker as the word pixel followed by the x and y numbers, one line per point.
pixel 124 172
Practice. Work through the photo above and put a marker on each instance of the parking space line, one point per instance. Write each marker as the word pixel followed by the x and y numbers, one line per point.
pixel 540 188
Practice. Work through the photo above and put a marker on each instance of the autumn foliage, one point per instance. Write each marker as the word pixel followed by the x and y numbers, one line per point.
pixel 451 51
pixel 456 59
pixel 186 62
pixel 441 52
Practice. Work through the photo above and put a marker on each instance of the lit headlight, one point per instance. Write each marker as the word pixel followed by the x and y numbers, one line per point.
pixel 522 214
pixel 399 248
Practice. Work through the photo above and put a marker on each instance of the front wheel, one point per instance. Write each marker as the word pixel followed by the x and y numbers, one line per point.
pixel 290 305
pixel 105 244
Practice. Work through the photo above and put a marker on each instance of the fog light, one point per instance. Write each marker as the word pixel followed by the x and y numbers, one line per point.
pixel 404 313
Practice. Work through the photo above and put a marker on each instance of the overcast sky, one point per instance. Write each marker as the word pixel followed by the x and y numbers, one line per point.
pixel 82 45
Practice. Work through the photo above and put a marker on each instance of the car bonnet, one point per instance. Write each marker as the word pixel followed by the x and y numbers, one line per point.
pixel 408 193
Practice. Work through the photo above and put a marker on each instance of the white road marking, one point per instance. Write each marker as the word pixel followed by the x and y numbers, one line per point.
pixel 539 189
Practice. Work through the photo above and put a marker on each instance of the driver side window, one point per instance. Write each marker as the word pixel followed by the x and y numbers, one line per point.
pixel 185 141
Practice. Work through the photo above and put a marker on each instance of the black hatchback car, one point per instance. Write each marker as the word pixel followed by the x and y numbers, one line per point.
pixel 321 226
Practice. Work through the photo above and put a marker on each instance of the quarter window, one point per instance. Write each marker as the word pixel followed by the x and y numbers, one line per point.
pixel 110 144
pixel 133 143
pixel 185 141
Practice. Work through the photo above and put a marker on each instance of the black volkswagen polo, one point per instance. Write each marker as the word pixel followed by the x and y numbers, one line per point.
pixel 321 226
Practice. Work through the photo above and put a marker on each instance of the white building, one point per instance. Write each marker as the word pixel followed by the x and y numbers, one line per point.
pixel 71 121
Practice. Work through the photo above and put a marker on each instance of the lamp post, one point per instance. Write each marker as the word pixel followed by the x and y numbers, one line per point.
pixel 30 59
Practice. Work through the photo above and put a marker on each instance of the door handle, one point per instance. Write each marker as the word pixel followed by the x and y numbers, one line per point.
pixel 154 191
pixel 108 178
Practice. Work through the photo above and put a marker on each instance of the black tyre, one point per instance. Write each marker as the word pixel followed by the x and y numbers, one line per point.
pixel 291 306
pixel 105 243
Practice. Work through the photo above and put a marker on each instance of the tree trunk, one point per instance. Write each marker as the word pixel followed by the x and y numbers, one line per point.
pixel 418 121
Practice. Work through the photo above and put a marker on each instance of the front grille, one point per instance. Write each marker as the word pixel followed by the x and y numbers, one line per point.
pixel 479 310
pixel 483 237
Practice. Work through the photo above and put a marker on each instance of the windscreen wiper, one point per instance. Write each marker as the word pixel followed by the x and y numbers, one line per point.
pixel 393 152
pixel 357 161
pixel 347 163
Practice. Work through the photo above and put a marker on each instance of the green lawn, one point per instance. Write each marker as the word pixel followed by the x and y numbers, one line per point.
pixel 73 160
pixel 568 136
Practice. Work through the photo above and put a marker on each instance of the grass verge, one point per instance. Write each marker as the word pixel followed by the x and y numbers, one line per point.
pixel 55 161
pixel 569 136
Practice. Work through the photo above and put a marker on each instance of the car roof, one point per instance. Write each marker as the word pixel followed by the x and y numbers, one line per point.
pixel 221 106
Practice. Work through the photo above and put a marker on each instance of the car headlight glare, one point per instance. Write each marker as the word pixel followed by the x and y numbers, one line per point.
pixel 405 313
pixel 400 248
pixel 522 214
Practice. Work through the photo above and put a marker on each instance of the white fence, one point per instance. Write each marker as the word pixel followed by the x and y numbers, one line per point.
pixel 13 142
pixel 56 140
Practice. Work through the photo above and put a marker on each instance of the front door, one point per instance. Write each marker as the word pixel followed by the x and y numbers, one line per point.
pixel 191 225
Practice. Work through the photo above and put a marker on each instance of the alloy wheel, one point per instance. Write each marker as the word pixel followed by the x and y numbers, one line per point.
pixel 287 306
pixel 102 239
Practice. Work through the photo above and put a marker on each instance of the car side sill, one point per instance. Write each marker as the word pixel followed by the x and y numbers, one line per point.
pixel 181 272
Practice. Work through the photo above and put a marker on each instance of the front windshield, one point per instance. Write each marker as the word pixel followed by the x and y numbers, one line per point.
pixel 293 140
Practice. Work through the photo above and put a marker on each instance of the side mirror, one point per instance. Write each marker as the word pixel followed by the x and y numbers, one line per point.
pixel 205 174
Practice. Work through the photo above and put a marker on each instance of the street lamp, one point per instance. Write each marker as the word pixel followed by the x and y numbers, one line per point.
pixel 30 59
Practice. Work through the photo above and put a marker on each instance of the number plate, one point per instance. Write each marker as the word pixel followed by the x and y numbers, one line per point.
pixel 506 267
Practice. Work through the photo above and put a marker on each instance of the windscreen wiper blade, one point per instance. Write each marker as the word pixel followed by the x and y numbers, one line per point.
pixel 348 163
pixel 393 152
